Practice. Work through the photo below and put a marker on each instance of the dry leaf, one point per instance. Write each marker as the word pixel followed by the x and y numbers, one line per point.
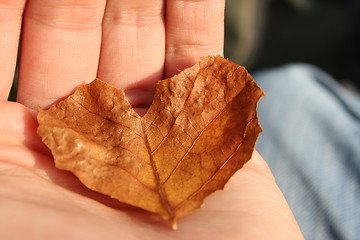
pixel 200 129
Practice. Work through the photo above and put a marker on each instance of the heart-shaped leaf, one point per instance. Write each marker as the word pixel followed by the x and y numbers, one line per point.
pixel 200 129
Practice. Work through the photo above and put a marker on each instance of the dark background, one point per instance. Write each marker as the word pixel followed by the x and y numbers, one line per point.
pixel 325 33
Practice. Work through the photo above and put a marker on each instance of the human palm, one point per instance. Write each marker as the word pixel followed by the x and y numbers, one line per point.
pixel 69 42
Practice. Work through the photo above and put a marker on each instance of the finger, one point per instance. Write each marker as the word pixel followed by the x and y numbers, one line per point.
pixel 10 23
pixel 194 28
pixel 132 52
pixel 60 48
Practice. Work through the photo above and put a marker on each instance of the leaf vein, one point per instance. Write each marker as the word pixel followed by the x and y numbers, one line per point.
pixel 217 170
pixel 133 176
pixel 173 124
pixel 110 120
pixel 128 172
pixel 197 137
pixel 162 193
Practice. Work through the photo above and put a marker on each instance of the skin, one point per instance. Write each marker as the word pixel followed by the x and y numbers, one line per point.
pixel 66 43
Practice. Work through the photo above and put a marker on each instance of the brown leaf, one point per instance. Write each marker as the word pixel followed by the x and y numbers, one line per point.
pixel 200 129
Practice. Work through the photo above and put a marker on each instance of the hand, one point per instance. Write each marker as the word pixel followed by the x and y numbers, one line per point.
pixel 66 43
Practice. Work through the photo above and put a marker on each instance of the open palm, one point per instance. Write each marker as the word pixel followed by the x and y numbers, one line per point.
pixel 130 44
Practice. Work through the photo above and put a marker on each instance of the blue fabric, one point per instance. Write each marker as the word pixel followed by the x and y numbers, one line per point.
pixel 311 141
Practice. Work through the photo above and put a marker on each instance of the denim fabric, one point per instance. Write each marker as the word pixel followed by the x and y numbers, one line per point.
pixel 311 141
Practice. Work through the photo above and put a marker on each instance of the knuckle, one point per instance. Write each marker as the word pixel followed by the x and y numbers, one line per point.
pixel 68 15
pixel 134 17
pixel 198 49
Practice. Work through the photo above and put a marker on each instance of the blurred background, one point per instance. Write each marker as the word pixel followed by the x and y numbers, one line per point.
pixel 311 124
pixel 266 33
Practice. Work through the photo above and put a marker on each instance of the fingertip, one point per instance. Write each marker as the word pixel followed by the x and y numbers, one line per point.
pixel 258 164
